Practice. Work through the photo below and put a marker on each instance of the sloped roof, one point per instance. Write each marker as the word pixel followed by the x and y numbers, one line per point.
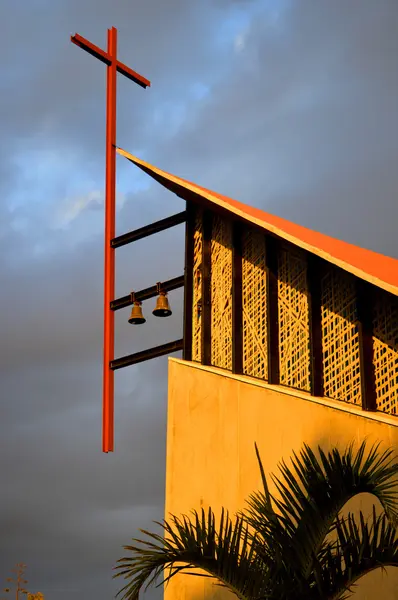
pixel 375 268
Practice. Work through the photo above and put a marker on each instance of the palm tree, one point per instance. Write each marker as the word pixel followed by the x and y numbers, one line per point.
pixel 291 546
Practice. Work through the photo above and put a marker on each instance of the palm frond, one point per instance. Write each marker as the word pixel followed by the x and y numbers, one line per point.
pixel 361 547
pixel 270 535
pixel 261 514
pixel 223 552
pixel 267 495
pixel 269 532
pixel 279 546
pixel 313 492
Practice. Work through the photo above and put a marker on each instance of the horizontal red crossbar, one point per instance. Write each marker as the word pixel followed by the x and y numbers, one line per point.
pixel 105 58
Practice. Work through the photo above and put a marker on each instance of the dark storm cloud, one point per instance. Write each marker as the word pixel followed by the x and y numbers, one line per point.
pixel 66 509
pixel 314 134
pixel 293 112
pixel 56 93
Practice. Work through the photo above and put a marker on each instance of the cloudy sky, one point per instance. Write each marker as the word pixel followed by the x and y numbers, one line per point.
pixel 288 105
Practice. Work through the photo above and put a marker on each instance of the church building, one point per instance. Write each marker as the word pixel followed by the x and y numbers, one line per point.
pixel 289 336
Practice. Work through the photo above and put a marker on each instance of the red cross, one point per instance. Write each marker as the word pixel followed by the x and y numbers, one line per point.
pixel 114 66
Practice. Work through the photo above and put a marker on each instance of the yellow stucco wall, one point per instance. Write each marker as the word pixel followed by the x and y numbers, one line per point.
pixel 214 419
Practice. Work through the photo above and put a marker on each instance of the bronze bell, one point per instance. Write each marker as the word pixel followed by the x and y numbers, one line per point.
pixel 162 308
pixel 136 317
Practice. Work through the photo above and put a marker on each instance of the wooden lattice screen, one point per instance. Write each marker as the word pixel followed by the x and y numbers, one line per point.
pixel 197 286
pixel 221 293
pixel 294 328
pixel 340 337
pixel 254 304
pixel 385 352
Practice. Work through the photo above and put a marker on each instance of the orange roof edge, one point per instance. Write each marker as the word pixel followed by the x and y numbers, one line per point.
pixel 380 270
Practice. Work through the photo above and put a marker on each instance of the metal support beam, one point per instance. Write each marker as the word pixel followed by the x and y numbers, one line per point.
pixel 314 285
pixel 142 232
pixel 109 267
pixel 137 357
pixel 273 312
pixel 206 287
pixel 237 307
pixel 188 280
pixel 146 293
pixel 365 300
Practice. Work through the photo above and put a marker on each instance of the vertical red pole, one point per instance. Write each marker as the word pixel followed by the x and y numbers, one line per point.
pixel 109 279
